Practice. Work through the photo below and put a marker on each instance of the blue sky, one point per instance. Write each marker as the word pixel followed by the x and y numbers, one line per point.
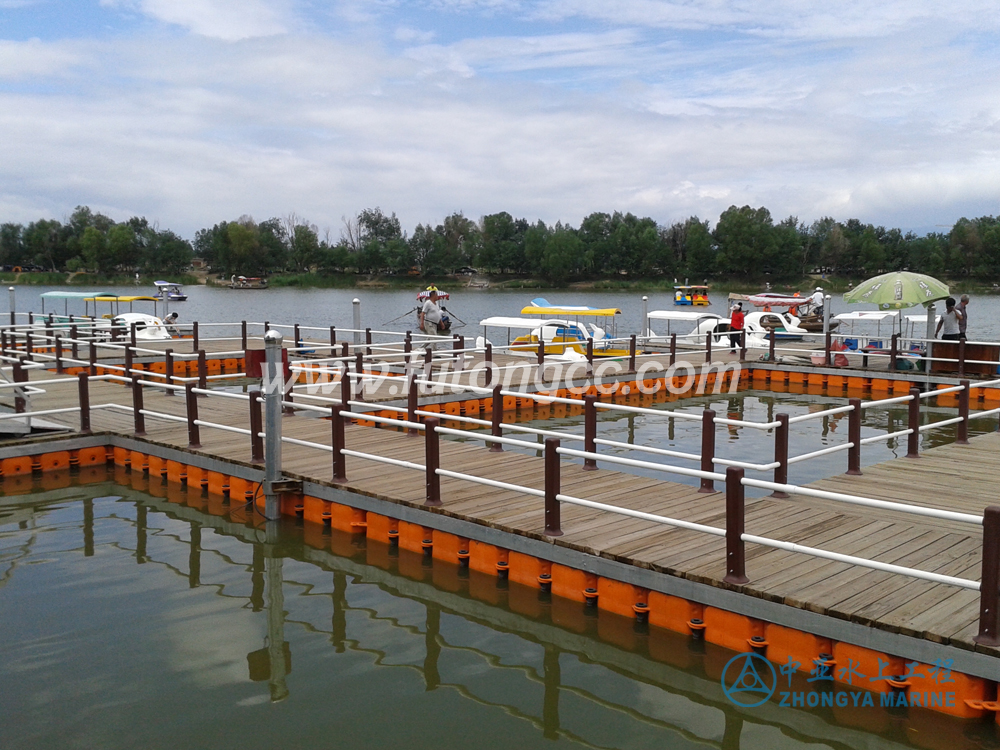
pixel 190 112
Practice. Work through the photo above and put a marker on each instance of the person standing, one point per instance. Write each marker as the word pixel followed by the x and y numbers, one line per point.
pixel 817 302
pixel 429 317
pixel 962 307
pixel 949 322
pixel 736 318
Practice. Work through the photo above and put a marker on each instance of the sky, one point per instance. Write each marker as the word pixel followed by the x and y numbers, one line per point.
pixel 191 112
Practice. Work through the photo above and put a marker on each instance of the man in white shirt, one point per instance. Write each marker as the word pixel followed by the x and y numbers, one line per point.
pixel 429 317
pixel 817 301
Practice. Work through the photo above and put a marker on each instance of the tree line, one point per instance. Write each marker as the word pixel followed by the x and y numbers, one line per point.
pixel 745 242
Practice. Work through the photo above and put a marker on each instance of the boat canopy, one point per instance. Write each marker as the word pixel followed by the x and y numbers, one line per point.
pixel 166 283
pixel 505 322
pixel 586 312
pixel 877 315
pixel 123 298
pixel 72 295
pixel 691 286
pixel 680 315
pixel 544 303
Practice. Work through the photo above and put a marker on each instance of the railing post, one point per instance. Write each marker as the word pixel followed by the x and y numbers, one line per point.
pixel 428 363
pixel 854 437
pixel 202 370
pixel 59 354
pixel 339 443
pixel 194 431
pixel 961 358
pixel 297 336
pixel 496 419
pixel 256 427
pixel 590 357
pixel 489 364
pixel 29 347
pixel 359 367
pixel 137 407
pixel 827 343
pixel 708 348
pixel 131 337
pixel 461 357
pixel 707 449
pixel 93 358
pixel 590 431
pixel 20 375
pixel 368 342
pixel 356 304
pixel 345 383
pixel 129 356
pixel 168 371
pixel 770 345
pixel 412 401
pixel 273 387
pixel 345 350
pixel 913 422
pixel 673 349
pixel 553 513
pixel 989 588
pixel 333 341
pixel 243 335
pixel 743 344
pixel 432 461
pixel 631 353
pixel 962 428
pixel 540 374
pixel 84 389
pixel 736 567
pixel 194 337
pixel 780 453
pixel 893 351
pixel 75 345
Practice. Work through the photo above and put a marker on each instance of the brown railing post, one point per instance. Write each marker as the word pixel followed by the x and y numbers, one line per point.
pixel 59 354
pixel 961 358
pixel 29 347
pixel 84 388
pixel 333 341
pixel 256 427
pixel 345 350
pixel 826 347
pixel 131 336
pixel 743 344
pixel 631 353
pixel 368 342
pixel 736 565
pixel 770 345
pixel 137 407
pixel 74 332
pixel 297 335
pixel 707 449
pixel 93 358
pixel 243 335
pixel 168 371
pixel 339 443
pixel 989 589
pixel 129 356
pixel 590 431
pixel 202 370
pixel 496 419
pixel 194 337
pixel 541 353
pixel 893 351
pixel 345 384
pixel 359 367
pixel 708 348
pixel 553 513
pixel 673 349
pixel 913 422
pixel 780 453
pixel 20 376
pixel 194 431
pixel 432 461
pixel 412 402
pixel 590 357
pixel 489 364
pixel 962 428
pixel 854 437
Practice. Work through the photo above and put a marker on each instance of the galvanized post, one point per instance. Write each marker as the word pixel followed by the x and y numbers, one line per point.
pixel 913 422
pixel 272 422
pixel 781 453
pixel 736 568
pixel 854 437
pixel 553 513
pixel 496 419
pixel 962 428
pixel 590 431
pixel 256 427
pixel 989 588
pixel 357 320
pixel 338 443
pixel 194 431
pixel 432 461
pixel 707 449
pixel 84 390
pixel 645 317
pixel 137 407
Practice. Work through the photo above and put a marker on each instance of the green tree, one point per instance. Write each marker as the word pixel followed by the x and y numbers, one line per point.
pixel 95 252
pixel 747 243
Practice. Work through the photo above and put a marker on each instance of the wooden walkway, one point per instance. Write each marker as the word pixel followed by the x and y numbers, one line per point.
pixel 952 476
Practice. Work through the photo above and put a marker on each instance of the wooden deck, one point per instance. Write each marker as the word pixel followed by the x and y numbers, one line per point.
pixel 952 476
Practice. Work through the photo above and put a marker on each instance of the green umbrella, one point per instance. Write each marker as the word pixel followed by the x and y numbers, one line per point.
pixel 899 289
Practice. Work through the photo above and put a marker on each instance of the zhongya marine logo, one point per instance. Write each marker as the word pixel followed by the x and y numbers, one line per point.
pixel 749 680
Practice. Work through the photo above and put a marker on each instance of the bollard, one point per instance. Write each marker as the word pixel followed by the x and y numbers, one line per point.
pixel 432 461
pixel 84 390
pixel 989 589
pixel 93 358
pixel 781 453
pixel 168 371
pixel 256 427
pixel 357 320
pixel 962 428
pixel 195 339
pixel 137 407
pixel 272 422
pixel 735 553
pixel 854 437
pixel 496 419
pixel 243 335
pixel 673 349
pixel 194 432
pixel 631 353
pixel 590 431
pixel 489 363
pixel 707 449
pixel 553 515
pixel 412 402
pixel 338 443
pixel 202 370
pixel 913 422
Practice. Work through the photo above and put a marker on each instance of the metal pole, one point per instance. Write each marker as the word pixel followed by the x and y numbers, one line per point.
pixel 357 320
pixel 432 460
pixel 131 334
pixel 20 376
pixel 827 343
pixel 743 344
pixel 590 357
pixel 496 419
pixel 137 407
pixel 989 589
pixel 962 429
pixel 93 358
pixel 590 431
pixel 13 306
pixel 84 389
pixel 770 345
pixel 645 317
pixel 553 513
pixel 736 568
pixel 256 427
pixel 929 335
pixel 129 354
pixel 273 383
pixel 339 443
pixel 707 449
pixel 781 453
pixel 913 439
pixel 854 437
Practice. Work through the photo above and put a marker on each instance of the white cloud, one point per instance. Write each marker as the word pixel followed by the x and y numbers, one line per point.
pixel 221 19
pixel 410 36
pixel 32 58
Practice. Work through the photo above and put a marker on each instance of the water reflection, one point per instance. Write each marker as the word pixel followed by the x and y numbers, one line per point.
pixel 359 617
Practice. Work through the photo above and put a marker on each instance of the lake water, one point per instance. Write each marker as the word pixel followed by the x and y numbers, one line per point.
pixel 131 621
pixel 387 310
